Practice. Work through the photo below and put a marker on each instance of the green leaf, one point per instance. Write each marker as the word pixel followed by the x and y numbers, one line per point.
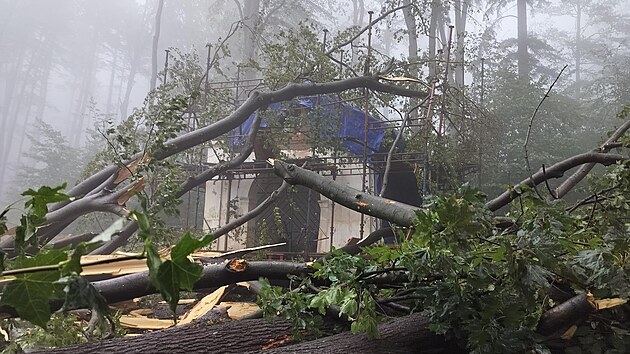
pixel 173 276
pixel 3 221
pixel 73 264
pixel 348 307
pixel 29 293
pixel 43 196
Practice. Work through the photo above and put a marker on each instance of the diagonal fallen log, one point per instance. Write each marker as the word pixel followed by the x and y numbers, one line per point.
pixel 387 209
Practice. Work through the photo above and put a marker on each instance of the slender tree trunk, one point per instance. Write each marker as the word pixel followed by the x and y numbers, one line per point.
pixel 252 31
pixel 412 29
pixel 461 16
pixel 436 11
pixel 112 77
pixel 6 125
pixel 578 40
pixel 131 78
pixel 156 40
pixel 41 99
pixel 522 55
pixel 85 94
pixel 12 130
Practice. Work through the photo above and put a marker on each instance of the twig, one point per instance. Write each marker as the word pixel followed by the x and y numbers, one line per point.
pixel 587 199
pixel 120 161
pixel 529 130
pixel 551 192
pixel 375 21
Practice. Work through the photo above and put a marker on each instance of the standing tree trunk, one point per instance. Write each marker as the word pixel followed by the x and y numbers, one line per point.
pixel 436 11
pixel 412 30
pixel 131 80
pixel 461 15
pixel 578 40
pixel 522 55
pixel 156 40
pixel 112 77
pixel 85 93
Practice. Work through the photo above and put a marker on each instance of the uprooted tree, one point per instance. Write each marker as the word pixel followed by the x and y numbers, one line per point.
pixel 543 276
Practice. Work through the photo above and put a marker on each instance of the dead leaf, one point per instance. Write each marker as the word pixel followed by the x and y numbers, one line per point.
pixel 203 306
pixel 362 204
pixel 569 333
pixel 237 265
pixel 609 303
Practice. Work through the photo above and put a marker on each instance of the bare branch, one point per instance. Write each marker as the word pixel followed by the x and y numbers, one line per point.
pixel 578 175
pixel 529 129
pixel 556 170
pixel 375 21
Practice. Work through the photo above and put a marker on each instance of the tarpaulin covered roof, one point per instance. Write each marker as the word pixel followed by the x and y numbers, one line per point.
pixel 350 126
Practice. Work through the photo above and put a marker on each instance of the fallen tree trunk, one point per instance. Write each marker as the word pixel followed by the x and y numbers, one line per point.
pixel 215 275
pixel 196 337
pixel 408 334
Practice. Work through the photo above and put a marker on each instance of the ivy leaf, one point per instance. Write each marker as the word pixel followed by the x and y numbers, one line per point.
pixel 179 272
pixel 43 196
pixel 29 293
pixel 73 264
pixel 172 277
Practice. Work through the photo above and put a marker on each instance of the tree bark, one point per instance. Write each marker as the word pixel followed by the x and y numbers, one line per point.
pixel 196 337
pixel 401 335
pixel 409 334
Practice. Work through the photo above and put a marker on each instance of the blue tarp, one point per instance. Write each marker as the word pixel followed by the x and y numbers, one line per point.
pixel 351 121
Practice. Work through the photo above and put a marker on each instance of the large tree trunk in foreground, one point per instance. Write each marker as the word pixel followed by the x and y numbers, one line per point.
pixel 401 335
pixel 196 337
pixel 408 334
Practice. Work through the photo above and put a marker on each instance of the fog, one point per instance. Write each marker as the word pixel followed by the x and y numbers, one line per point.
pixel 75 64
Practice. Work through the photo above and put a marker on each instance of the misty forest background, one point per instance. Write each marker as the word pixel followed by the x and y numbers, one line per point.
pixel 69 70
pixel 511 86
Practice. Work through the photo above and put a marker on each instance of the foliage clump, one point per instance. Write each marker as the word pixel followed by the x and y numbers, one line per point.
pixel 481 285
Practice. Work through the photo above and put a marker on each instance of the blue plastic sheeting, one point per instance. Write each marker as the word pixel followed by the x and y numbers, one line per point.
pixel 351 122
